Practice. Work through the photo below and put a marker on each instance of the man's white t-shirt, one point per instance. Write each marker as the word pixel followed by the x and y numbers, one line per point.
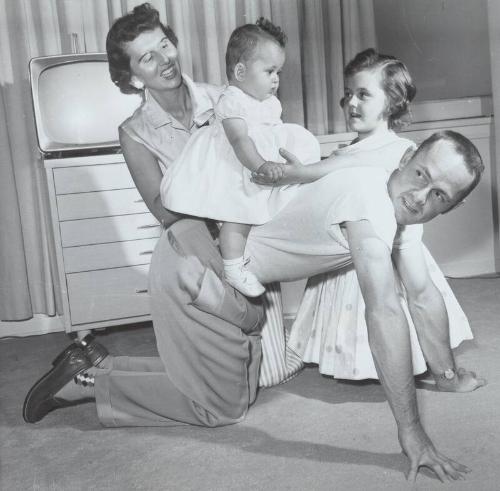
pixel 305 237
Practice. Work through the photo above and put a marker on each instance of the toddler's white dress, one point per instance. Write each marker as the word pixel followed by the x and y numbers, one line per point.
pixel 208 180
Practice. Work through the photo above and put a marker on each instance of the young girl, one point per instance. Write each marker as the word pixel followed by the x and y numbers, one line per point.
pixel 211 178
pixel 330 328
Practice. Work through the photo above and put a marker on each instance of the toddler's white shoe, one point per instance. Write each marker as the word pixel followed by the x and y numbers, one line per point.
pixel 244 281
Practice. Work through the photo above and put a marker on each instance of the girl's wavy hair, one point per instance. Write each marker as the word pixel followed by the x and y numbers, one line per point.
pixel 125 29
pixel 396 83
pixel 244 41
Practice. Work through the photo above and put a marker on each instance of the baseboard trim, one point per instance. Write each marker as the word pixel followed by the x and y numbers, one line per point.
pixel 467 269
pixel 39 324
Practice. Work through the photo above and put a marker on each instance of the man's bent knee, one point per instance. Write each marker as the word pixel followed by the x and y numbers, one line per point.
pixel 214 420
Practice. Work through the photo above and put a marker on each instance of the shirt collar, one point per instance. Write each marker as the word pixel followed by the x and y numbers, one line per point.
pixel 203 107
pixel 377 140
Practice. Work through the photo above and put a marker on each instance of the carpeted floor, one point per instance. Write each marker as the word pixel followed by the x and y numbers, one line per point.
pixel 312 433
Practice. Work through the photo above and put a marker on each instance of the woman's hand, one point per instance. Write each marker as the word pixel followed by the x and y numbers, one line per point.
pixel 291 172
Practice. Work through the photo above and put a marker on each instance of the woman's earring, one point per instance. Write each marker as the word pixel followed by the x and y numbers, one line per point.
pixel 138 84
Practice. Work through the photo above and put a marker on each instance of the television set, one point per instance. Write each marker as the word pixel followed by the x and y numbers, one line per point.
pixel 77 107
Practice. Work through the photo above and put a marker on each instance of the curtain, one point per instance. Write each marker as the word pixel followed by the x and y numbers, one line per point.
pixel 322 36
pixel 494 34
pixel 29 28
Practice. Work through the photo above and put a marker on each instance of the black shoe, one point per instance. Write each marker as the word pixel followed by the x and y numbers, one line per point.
pixel 41 397
pixel 94 351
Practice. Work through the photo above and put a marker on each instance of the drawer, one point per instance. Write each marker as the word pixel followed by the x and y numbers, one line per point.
pixel 92 178
pixel 100 204
pixel 112 255
pixel 109 229
pixel 108 294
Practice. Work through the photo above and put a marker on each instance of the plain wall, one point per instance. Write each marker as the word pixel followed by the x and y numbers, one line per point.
pixel 444 44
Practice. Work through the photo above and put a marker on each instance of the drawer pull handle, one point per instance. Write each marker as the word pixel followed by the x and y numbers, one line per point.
pixel 145 253
pixel 141 290
pixel 150 225
pixel 140 200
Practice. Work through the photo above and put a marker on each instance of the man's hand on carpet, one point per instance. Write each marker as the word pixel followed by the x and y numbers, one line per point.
pixel 421 452
pixel 463 381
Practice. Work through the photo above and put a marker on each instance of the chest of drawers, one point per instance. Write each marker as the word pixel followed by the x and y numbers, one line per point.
pixel 104 237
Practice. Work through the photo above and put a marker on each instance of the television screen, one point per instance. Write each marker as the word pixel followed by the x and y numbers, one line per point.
pixel 76 105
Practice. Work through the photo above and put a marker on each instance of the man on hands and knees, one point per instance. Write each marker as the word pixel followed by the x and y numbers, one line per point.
pixel 358 215
pixel 354 216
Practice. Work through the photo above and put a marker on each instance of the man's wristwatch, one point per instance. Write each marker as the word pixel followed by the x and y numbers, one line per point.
pixel 449 374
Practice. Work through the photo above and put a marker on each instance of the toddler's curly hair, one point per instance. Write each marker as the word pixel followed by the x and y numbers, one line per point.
pixel 244 40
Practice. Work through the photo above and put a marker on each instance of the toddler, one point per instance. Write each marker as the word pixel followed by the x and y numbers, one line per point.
pixel 212 176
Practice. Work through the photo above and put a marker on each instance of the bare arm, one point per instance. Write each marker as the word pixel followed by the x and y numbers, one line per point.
pixel 294 172
pixel 428 312
pixel 388 331
pixel 389 339
pixel 237 133
pixel 331 163
pixel 147 176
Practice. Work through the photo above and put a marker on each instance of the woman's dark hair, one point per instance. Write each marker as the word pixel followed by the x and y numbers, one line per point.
pixel 125 29
pixel 396 83
pixel 244 40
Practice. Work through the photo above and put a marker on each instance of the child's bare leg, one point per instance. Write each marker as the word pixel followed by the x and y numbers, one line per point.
pixel 232 241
